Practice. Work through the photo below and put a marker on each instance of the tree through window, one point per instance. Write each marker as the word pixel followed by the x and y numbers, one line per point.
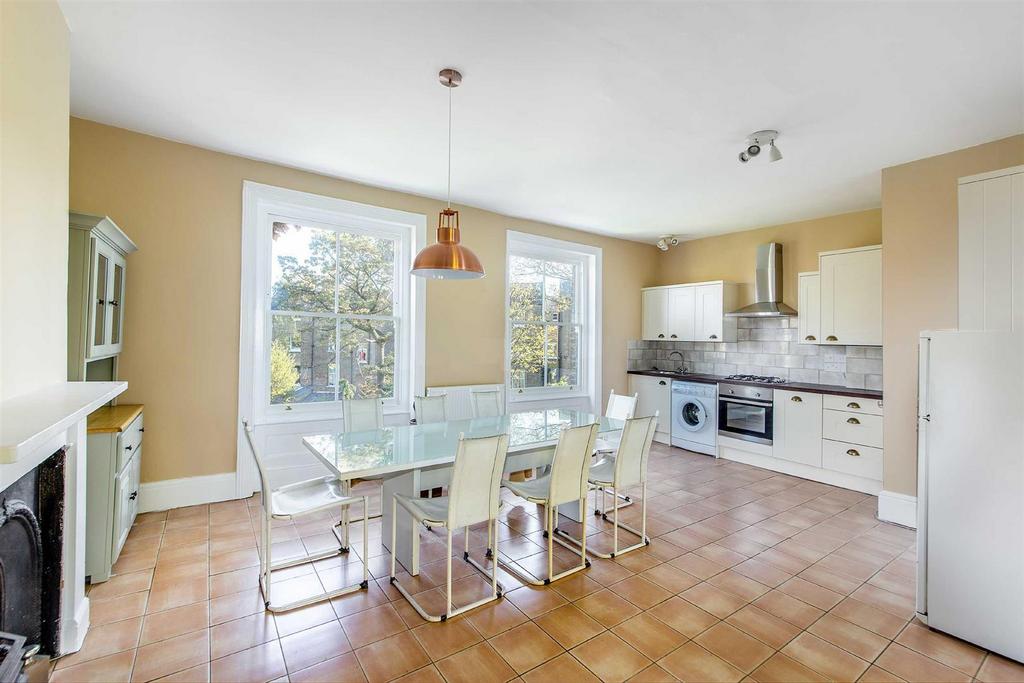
pixel 334 315
pixel 545 323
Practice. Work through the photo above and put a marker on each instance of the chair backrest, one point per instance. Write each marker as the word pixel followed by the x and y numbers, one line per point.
pixel 487 403
pixel 362 414
pixel 474 491
pixel 621 406
pixel 264 483
pixel 430 409
pixel 634 447
pixel 571 464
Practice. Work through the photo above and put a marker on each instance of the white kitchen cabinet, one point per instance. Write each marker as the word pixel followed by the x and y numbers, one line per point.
pixel 654 394
pixel 851 296
pixel 832 439
pixel 991 251
pixel 710 307
pixel 114 468
pixel 809 308
pixel 681 320
pixel 655 313
pixel 689 312
pixel 97 272
pixel 797 426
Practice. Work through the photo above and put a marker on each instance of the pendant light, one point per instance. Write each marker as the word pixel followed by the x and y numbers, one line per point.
pixel 448 259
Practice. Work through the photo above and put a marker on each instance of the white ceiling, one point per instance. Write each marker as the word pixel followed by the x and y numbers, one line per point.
pixel 620 118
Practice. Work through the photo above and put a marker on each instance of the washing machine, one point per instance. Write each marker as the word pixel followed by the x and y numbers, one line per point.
pixel 695 417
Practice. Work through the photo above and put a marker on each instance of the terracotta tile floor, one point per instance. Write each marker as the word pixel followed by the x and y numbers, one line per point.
pixel 751 575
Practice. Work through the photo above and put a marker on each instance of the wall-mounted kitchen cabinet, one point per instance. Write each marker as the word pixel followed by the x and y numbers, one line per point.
pixel 809 311
pixel 991 255
pixel 689 312
pixel 97 280
pixel 851 296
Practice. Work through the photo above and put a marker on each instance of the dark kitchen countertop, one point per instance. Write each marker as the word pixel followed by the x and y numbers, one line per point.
pixel 831 389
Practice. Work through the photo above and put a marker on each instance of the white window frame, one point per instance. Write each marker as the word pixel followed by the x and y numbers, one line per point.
pixel 588 306
pixel 261 206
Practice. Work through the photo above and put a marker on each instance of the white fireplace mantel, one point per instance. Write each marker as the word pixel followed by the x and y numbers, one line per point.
pixel 33 427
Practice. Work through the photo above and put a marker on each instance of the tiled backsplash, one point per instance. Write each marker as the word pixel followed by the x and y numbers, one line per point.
pixel 766 346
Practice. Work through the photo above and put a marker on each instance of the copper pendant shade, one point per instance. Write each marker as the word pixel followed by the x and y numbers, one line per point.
pixel 448 259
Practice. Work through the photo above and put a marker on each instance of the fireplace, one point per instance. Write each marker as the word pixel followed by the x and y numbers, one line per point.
pixel 31 553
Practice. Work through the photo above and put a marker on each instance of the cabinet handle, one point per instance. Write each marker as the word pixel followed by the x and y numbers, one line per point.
pixel 853 452
pixel 854 405
pixel 714 336
pixel 128 447
pixel 133 496
pixel 113 302
pixel 142 429
pixel 852 421
pixel 810 337
pixel 796 399
pixel 831 337
pixel 661 336
pixel 661 382
pixel 101 302
pixel 673 336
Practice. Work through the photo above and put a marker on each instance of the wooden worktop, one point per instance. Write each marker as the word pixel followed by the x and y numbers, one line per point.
pixel 113 418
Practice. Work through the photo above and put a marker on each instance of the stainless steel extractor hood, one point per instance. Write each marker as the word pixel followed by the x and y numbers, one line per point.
pixel 767 286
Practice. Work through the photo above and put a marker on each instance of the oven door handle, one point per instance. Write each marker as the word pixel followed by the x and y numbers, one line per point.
pixel 758 404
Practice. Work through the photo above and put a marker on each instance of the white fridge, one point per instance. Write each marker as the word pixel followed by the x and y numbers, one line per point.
pixel 971 487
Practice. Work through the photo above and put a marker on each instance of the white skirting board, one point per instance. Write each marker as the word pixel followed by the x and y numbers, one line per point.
pixel 898 508
pixel 176 493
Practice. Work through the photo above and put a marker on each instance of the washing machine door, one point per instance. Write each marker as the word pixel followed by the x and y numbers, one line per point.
pixel 692 415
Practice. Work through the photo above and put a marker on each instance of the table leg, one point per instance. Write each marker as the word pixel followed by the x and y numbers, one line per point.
pixel 407 544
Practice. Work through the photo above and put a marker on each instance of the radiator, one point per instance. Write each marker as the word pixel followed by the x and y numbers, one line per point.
pixel 460 399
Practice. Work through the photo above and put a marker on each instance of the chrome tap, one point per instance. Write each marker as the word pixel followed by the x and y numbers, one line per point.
pixel 682 361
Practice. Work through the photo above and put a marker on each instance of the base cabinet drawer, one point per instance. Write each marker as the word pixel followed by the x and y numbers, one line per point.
pixel 854 404
pixel 130 440
pixel 849 458
pixel 859 428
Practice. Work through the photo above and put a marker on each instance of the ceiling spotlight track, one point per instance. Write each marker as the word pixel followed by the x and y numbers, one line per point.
pixel 667 241
pixel 756 143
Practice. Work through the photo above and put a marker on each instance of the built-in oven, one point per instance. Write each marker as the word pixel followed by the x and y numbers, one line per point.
pixel 745 412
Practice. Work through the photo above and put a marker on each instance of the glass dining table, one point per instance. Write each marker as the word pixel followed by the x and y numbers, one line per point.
pixel 417 457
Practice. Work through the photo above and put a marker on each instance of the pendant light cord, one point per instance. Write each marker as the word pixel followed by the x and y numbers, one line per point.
pixel 450 88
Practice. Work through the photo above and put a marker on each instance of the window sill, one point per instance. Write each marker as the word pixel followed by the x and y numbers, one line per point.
pixel 315 414
pixel 533 397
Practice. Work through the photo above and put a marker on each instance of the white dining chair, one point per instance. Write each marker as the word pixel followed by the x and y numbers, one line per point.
pixel 474 496
pixel 565 482
pixel 362 414
pixel 487 403
pixel 323 494
pixel 628 468
pixel 620 407
pixel 429 409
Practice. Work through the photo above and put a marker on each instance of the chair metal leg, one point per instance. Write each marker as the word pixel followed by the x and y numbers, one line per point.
pixel 616 525
pixel 269 566
pixel 552 533
pixel 496 588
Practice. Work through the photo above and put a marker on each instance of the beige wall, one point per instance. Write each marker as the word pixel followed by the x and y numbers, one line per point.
pixel 182 206
pixel 919 269
pixel 731 257
pixel 34 69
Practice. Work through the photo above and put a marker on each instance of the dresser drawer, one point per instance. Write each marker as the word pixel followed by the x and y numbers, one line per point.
pixel 858 428
pixel 849 458
pixel 129 441
pixel 868 406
